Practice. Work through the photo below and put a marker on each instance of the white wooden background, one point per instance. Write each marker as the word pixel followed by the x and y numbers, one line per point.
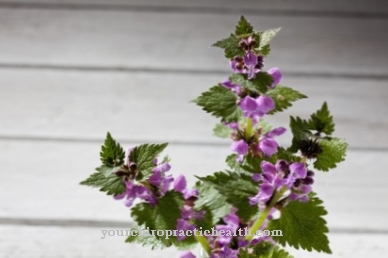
pixel 71 70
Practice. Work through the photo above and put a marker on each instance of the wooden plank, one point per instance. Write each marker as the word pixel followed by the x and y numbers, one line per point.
pixel 39 242
pixel 180 41
pixel 373 6
pixel 152 106
pixel 41 182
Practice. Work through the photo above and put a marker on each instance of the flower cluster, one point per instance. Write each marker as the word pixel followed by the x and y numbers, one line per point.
pixel 155 186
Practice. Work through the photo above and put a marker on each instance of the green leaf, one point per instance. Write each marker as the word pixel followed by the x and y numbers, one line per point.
pixel 302 226
pixel 283 97
pixel 107 170
pixel 259 84
pixel 333 152
pixel 111 152
pixel 243 27
pixel 230 46
pixel 112 185
pixel 144 156
pixel 264 250
pixel 161 217
pixel 265 126
pixel 258 251
pixel 267 36
pixel 222 131
pixel 212 201
pixel 264 50
pixel 322 121
pixel 236 188
pixel 287 155
pixel 220 102
pixel 299 131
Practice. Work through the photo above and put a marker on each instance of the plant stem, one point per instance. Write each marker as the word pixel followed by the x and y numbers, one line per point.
pixel 260 220
pixel 258 223
pixel 203 241
pixel 248 129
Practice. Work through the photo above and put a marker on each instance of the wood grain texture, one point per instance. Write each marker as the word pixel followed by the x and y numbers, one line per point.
pixel 373 6
pixel 42 181
pixel 155 107
pixel 146 40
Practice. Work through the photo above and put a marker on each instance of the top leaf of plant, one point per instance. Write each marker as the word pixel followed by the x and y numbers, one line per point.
pixel 111 154
pixel 322 121
pixel 243 27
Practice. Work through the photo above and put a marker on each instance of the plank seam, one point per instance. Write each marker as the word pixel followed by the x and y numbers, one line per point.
pixel 127 69
pixel 172 142
pixel 195 10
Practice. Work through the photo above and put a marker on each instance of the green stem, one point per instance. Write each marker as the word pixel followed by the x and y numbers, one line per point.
pixel 203 241
pixel 260 220
pixel 258 223
pixel 248 129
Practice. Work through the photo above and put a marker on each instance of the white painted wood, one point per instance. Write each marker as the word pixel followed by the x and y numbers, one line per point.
pixel 40 180
pixel 155 107
pixel 42 242
pixel 372 6
pixel 180 41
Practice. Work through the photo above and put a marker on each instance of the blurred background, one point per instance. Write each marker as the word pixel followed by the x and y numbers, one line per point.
pixel 72 70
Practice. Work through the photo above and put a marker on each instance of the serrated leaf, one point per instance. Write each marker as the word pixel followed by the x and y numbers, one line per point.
pixel 322 121
pixel 220 102
pixel 267 36
pixel 333 152
pixel 236 188
pixel 111 152
pixel 264 50
pixel 212 201
pixel 112 185
pixel 283 97
pixel 243 27
pixel 161 217
pixel 222 131
pixel 107 170
pixel 302 226
pixel 299 129
pixel 144 156
pixel 230 46
pixel 258 84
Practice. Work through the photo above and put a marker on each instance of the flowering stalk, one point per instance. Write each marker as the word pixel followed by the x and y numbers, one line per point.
pixel 263 216
pixel 263 178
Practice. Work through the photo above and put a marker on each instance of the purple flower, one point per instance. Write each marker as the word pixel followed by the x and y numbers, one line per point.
pixel 188 213
pixel 187 254
pixel 180 185
pixel 268 145
pixel 265 104
pixel 250 60
pixel 159 179
pixel 133 191
pixel 249 64
pixel 276 75
pixel 183 225
pixel 233 87
pixel 256 108
pixel 241 148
